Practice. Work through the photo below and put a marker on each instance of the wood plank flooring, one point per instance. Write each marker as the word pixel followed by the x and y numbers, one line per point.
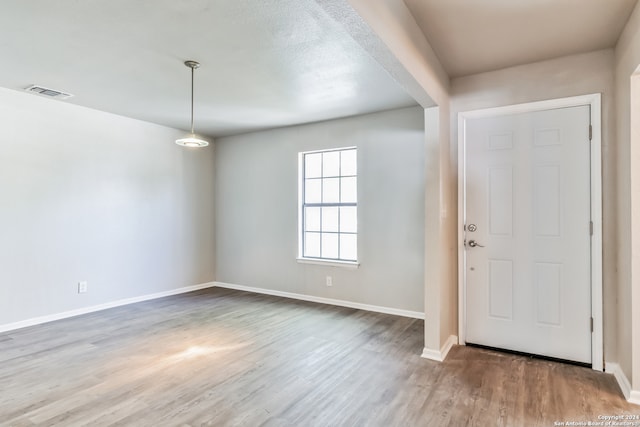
pixel 219 357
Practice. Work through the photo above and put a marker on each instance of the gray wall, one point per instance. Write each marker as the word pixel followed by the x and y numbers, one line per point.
pixel 257 208
pixel 87 195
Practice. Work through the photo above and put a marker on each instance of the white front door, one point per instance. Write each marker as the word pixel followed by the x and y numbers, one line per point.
pixel 527 232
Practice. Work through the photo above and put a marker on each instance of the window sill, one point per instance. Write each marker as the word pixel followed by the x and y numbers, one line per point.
pixel 328 263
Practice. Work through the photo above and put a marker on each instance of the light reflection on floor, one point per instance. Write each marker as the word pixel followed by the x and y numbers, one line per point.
pixel 204 350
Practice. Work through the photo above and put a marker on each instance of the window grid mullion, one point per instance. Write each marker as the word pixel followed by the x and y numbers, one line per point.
pixel 330 205
pixel 339 200
pixel 321 198
pixel 333 176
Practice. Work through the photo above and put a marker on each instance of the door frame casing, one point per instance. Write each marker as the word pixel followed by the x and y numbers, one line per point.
pixel 594 101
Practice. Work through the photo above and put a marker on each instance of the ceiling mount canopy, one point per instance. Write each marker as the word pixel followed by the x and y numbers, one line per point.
pixel 192 140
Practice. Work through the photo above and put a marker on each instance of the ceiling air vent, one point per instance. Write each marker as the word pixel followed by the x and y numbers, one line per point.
pixel 51 93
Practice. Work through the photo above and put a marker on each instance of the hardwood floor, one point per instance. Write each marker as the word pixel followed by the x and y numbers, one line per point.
pixel 219 357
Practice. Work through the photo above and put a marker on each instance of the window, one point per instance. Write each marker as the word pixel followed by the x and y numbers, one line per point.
pixel 329 205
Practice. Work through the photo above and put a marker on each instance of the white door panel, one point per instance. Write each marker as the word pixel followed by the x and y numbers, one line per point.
pixel 527 191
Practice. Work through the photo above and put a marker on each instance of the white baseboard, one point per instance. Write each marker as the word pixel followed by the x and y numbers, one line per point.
pixel 440 355
pixel 321 300
pixel 632 396
pixel 91 309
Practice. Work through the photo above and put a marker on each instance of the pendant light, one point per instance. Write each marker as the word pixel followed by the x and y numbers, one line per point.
pixel 192 140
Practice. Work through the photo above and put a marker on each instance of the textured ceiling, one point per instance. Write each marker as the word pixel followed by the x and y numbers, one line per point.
pixel 472 36
pixel 265 63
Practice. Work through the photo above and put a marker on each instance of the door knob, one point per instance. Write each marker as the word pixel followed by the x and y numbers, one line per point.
pixel 473 244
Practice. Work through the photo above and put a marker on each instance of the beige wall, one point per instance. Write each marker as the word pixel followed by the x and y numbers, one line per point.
pixel 440 262
pixel 632 325
pixel 627 60
pixel 392 21
pixel 558 78
pixel 394 24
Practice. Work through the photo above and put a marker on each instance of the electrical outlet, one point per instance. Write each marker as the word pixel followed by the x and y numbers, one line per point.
pixel 83 287
pixel 329 281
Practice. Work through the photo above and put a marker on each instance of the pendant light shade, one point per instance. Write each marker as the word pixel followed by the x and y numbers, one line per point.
pixel 192 140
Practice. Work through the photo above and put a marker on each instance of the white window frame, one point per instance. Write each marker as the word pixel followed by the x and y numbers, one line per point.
pixel 301 204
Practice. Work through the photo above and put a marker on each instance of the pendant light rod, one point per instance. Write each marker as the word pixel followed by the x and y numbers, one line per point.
pixel 193 65
pixel 192 140
pixel 192 73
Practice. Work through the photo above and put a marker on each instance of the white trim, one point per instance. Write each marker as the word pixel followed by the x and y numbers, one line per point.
pixel 634 397
pixel 322 300
pixel 439 356
pixel 105 306
pixel 528 107
pixel 597 340
pixel 462 196
pixel 301 188
pixel 594 101
pixel 621 378
pixel 327 263
pixel 324 150
pixel 300 203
